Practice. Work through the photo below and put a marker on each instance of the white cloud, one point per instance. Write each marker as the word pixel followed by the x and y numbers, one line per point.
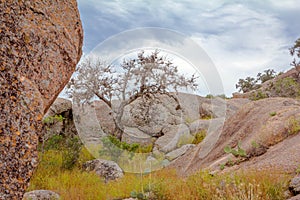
pixel 242 37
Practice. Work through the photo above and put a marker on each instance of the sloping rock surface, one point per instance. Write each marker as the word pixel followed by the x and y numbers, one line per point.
pixel 270 123
pixel 40 45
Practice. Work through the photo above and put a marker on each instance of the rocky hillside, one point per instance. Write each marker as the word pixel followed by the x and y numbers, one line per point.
pixel 265 131
pixel 40 46
pixel 172 130
pixel 283 85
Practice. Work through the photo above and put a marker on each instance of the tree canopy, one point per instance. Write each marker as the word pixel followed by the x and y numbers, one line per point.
pixel 147 74
pixel 295 51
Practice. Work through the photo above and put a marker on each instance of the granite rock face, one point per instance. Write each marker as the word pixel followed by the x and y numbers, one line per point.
pixel 40 46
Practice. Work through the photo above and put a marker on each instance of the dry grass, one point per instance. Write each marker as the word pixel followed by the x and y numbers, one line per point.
pixel 75 184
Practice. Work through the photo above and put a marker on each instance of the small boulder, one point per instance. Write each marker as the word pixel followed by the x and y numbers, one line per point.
pixel 41 195
pixel 109 170
pixel 295 185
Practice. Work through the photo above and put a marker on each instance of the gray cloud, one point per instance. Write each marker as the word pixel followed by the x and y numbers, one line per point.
pixel 241 37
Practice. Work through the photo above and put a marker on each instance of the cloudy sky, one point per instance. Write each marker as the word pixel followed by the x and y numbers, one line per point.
pixel 241 37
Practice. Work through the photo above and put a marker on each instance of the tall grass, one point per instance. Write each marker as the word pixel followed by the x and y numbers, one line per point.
pixel 165 184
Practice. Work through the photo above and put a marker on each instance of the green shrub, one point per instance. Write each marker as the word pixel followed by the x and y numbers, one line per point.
pixel 53 119
pixel 71 152
pixel 222 166
pixel 55 142
pixel 272 114
pixel 287 87
pixel 255 144
pixel 293 125
pixel 209 96
pixel 199 137
pixel 237 153
pixel 69 147
pixel 257 95
pixel 113 148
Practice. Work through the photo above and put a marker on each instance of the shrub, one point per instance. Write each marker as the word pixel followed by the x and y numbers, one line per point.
pixel 272 114
pixel 237 153
pixel 254 144
pixel 199 137
pixel 53 119
pixel 293 125
pixel 287 87
pixel 71 152
pixel 113 148
pixel 257 95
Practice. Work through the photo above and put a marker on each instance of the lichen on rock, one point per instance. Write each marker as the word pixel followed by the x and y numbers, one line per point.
pixel 41 44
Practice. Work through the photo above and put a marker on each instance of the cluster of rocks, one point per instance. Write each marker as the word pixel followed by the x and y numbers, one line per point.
pixel 170 124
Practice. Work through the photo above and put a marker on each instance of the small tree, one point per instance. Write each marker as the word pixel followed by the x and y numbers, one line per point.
pixel 295 51
pixel 267 75
pixel 246 85
pixel 146 76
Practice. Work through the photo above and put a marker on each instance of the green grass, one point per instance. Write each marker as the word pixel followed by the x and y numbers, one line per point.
pixel 165 184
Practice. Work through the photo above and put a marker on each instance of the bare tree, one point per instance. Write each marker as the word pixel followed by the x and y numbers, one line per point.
pixel 145 76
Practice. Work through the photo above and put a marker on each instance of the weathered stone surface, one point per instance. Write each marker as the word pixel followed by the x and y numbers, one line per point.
pixel 105 116
pixel 174 137
pixel 60 107
pixel 40 46
pixel 179 152
pixel 152 115
pixel 106 169
pixel 198 125
pixel 41 195
pixel 252 122
pixel 134 135
pixel 295 185
pixel 191 104
pixel 295 197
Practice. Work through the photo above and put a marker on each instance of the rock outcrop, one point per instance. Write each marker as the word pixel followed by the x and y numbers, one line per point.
pixel 40 46
pixel 106 169
pixel 284 85
pixel 166 122
pixel 62 109
pixel 271 125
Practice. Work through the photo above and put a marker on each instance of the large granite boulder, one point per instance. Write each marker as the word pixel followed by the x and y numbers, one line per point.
pixel 40 46
pixel 152 115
